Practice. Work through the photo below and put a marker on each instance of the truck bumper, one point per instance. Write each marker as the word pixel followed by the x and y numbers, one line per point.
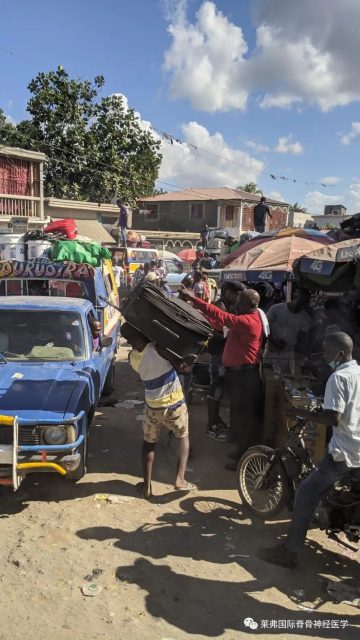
pixel 57 464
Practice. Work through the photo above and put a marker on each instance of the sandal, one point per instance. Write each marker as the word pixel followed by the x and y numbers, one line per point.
pixel 217 434
pixel 190 486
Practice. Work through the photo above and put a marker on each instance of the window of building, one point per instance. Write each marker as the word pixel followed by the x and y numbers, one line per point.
pixel 153 212
pixel 196 211
pixel 229 212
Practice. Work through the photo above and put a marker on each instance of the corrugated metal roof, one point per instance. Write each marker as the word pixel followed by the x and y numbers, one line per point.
pixel 207 193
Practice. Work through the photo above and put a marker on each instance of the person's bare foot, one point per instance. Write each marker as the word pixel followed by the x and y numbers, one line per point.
pixel 144 491
pixel 185 486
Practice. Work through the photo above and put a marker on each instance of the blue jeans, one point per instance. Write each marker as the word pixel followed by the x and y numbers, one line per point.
pixel 123 235
pixel 308 496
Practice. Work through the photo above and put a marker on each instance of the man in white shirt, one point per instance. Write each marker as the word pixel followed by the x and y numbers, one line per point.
pixel 287 320
pixel 341 410
pixel 118 272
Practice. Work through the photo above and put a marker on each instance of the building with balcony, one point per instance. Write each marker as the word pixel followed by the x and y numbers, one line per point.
pixel 21 189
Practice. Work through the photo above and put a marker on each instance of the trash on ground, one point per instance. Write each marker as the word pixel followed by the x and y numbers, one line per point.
pixel 344 593
pixel 118 499
pixel 91 589
pixel 299 593
pixel 129 404
pixel 115 498
pixel 94 574
pixel 111 402
pixel 140 417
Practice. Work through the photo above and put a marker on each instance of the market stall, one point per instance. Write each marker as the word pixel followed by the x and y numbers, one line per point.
pixel 277 234
pixel 332 275
pixel 270 261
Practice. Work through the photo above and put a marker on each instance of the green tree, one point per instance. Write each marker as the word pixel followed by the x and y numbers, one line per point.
pixel 251 187
pixel 299 208
pixel 96 148
pixel 8 132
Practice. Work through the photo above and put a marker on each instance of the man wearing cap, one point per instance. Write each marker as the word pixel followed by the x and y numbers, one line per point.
pixel 151 277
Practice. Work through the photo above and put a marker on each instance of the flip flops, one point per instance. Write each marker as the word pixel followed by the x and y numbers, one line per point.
pixel 190 486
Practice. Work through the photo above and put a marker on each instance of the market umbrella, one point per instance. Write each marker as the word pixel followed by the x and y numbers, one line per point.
pixel 335 267
pixel 281 232
pixel 187 255
pixel 270 260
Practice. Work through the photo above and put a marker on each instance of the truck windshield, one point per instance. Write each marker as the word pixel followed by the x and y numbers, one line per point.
pixel 28 287
pixel 41 335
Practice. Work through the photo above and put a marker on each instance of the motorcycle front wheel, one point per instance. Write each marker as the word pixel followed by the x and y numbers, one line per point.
pixel 265 494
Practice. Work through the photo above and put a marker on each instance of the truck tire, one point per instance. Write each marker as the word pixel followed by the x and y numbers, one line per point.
pixel 109 384
pixel 79 473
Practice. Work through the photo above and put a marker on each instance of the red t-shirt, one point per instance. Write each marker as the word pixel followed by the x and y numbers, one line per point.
pixel 244 341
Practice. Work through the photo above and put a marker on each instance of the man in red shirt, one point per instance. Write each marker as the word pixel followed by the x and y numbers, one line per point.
pixel 241 359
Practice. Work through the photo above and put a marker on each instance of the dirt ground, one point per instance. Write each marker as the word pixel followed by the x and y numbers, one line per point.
pixel 183 566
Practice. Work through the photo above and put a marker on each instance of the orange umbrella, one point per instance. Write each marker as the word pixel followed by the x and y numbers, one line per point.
pixel 274 255
pixel 282 232
pixel 187 255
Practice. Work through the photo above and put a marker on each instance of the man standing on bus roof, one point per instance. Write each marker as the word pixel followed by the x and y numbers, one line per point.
pixel 123 220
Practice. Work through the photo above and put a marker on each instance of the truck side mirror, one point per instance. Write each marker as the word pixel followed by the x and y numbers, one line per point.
pixel 106 342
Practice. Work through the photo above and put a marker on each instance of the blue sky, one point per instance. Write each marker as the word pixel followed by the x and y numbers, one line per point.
pixel 259 87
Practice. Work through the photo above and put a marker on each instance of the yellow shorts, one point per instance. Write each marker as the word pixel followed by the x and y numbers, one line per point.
pixel 176 420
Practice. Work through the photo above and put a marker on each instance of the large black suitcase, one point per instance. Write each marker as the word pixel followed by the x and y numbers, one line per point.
pixel 173 324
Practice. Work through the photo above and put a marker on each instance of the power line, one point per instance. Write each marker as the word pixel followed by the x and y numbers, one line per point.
pixel 189 190
pixel 171 139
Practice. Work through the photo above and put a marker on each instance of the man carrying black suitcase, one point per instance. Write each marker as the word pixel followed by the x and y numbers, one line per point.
pixel 241 359
pixel 164 405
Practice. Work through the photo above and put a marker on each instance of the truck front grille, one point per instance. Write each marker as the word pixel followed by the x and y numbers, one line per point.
pixel 27 435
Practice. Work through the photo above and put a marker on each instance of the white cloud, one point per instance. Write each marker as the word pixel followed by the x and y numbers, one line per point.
pixel 286 145
pixel 275 195
pixel 330 180
pixel 206 160
pixel 257 147
pixel 315 201
pixel 201 159
pixel 348 138
pixel 304 53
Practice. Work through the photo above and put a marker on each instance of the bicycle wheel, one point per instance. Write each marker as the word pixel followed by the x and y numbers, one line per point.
pixel 272 494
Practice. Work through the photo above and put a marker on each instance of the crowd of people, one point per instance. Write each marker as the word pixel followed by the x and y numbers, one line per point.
pixel 254 329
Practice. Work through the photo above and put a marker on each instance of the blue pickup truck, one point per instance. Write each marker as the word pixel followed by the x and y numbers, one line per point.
pixel 52 373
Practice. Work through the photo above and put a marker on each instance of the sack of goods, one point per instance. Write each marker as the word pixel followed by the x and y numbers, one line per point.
pixel 66 228
pixel 173 324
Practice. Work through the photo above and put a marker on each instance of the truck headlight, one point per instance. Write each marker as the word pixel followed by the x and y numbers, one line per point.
pixel 55 435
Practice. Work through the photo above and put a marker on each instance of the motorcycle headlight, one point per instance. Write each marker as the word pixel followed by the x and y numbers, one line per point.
pixel 55 435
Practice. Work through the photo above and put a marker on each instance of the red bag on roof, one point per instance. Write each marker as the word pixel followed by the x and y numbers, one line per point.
pixel 66 227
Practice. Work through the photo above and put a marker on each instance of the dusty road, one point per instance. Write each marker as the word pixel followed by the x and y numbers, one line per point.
pixel 183 566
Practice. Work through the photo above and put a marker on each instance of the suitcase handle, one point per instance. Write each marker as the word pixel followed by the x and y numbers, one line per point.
pixel 172 333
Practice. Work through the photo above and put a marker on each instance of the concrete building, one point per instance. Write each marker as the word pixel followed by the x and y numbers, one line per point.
pixel 333 215
pixel 188 210
pixel 21 190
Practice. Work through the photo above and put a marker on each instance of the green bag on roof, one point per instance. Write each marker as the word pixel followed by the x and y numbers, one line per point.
pixel 80 252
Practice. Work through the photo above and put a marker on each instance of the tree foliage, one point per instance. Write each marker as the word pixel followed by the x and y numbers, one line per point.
pixel 298 208
pixel 96 148
pixel 251 187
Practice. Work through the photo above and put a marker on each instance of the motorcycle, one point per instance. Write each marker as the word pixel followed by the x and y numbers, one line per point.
pixel 267 480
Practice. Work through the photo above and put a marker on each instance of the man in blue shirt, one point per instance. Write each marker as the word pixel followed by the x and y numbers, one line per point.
pixel 123 220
